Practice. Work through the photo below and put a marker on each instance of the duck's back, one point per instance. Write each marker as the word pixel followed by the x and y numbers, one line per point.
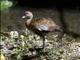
pixel 43 24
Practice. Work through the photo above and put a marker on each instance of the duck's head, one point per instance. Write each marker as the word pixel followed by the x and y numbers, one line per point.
pixel 28 15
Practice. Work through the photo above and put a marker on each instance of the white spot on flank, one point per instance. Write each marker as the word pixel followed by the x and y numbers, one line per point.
pixel 42 27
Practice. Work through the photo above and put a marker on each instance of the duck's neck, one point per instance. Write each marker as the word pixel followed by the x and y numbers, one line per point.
pixel 29 21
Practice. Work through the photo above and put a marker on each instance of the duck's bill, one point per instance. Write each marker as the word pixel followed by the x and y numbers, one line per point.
pixel 23 17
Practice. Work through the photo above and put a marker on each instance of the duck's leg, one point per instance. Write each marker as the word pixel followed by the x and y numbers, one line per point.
pixel 43 42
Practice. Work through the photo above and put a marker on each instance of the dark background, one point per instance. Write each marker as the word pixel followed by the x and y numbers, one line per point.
pixel 72 4
pixel 66 13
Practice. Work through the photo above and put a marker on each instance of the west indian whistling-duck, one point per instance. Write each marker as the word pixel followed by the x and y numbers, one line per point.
pixel 40 26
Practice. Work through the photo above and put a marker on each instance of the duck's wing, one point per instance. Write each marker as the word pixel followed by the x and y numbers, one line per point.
pixel 43 24
pixel 48 28
pixel 42 27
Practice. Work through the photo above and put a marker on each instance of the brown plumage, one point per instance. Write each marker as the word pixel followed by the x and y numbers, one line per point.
pixel 40 26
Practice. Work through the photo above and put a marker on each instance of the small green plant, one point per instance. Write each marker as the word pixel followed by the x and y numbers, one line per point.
pixel 5 4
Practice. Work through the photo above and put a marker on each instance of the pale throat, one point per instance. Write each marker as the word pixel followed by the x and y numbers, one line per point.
pixel 29 21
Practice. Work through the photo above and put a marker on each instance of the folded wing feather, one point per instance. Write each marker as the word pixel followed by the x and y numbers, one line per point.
pixel 42 27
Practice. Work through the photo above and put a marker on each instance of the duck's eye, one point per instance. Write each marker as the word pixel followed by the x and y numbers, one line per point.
pixel 26 13
pixel 28 17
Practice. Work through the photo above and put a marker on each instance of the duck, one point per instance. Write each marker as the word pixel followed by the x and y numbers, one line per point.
pixel 40 26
